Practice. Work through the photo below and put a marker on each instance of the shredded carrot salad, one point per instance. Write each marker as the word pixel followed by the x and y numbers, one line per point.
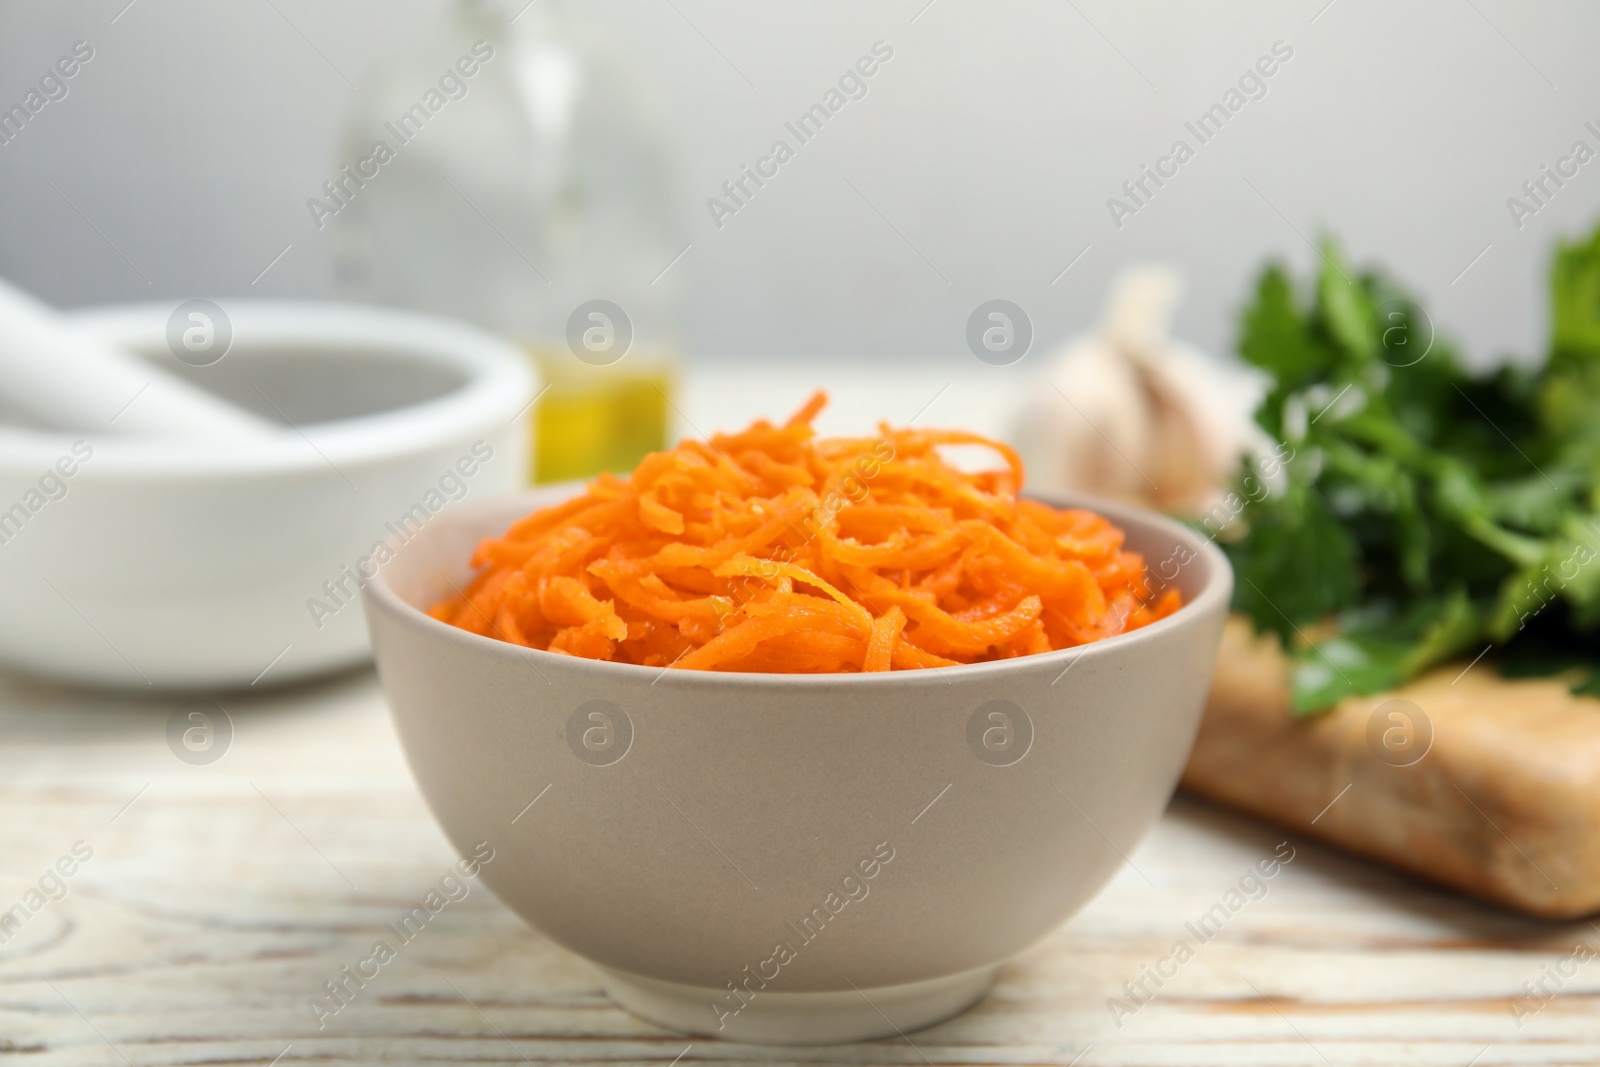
pixel 775 550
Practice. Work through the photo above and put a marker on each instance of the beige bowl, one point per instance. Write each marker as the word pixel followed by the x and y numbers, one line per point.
pixel 793 859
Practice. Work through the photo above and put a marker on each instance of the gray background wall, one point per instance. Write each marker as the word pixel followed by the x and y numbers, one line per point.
pixel 180 162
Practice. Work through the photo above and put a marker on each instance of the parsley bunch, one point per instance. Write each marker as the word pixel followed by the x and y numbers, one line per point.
pixel 1426 513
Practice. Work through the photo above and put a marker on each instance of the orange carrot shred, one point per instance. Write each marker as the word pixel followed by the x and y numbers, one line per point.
pixel 885 631
pixel 774 550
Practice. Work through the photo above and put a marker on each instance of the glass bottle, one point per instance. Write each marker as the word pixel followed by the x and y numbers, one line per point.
pixel 520 179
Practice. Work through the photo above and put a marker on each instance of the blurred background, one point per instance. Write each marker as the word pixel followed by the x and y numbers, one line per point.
pixel 978 165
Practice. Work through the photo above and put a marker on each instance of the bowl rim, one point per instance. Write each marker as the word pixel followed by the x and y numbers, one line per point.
pixel 498 386
pixel 1213 599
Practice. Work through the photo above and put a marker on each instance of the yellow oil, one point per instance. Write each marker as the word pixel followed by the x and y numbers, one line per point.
pixel 595 419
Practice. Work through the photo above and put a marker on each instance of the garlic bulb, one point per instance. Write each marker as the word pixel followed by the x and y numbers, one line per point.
pixel 1130 413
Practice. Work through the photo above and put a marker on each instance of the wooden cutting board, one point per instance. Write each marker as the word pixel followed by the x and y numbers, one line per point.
pixel 1487 785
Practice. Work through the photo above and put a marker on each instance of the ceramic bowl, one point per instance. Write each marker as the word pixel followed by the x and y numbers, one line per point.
pixel 177 564
pixel 793 859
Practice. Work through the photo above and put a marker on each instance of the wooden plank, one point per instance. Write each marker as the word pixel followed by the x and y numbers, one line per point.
pixel 224 895
pixel 1484 784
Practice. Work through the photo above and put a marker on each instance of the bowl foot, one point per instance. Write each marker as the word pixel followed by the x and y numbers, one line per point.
pixel 771 1018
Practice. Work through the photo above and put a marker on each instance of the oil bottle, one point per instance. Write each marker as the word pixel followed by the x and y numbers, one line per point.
pixel 518 175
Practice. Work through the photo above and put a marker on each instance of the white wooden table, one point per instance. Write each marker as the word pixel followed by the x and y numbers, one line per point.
pixel 219 897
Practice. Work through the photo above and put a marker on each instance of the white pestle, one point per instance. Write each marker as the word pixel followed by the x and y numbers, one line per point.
pixel 66 379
